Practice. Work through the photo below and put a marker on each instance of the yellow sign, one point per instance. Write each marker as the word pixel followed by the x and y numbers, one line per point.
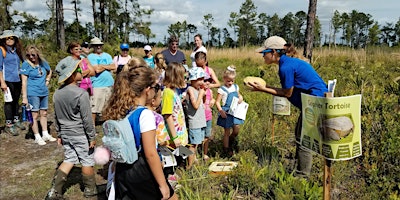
pixel 331 126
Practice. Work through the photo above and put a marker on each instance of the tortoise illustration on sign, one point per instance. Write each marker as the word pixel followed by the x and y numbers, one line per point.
pixel 335 128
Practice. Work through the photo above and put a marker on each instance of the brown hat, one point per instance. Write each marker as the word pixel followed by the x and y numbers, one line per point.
pixel 273 42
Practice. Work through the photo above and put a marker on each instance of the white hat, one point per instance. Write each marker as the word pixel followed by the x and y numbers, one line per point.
pixel 273 42
pixel 147 48
pixel 95 41
pixel 196 73
pixel 8 33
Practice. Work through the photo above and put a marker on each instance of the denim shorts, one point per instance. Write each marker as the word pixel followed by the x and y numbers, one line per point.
pixel 208 129
pixel 38 103
pixel 196 135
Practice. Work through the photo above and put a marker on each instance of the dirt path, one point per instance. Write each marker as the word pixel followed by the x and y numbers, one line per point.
pixel 26 169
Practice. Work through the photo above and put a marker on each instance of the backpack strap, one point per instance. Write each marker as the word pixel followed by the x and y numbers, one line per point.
pixel 3 51
pixel 134 122
pixel 225 89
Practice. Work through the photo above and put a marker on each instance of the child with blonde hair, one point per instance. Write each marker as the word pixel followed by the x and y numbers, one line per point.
pixel 171 107
pixel 144 179
pixel 160 68
pixel 225 95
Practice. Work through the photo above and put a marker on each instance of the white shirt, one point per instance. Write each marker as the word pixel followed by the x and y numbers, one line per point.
pixel 203 49
pixel 225 95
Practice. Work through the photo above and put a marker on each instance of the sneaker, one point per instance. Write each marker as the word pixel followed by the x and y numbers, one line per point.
pixel 40 141
pixel 19 125
pixel 11 130
pixel 48 138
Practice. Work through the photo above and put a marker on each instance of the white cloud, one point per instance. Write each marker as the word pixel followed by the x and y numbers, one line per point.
pixel 193 11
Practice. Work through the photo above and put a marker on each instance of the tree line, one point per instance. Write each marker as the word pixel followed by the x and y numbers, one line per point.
pixel 117 20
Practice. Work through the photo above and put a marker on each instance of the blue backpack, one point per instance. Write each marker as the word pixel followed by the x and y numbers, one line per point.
pixel 119 138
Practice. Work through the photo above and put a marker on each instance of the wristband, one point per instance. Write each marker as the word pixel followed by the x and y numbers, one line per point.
pixel 174 138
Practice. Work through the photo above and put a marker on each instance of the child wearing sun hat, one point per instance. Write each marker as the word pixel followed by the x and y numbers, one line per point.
pixel 74 127
pixel 195 110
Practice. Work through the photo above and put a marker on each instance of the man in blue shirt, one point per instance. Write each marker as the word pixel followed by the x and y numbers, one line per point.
pixel 103 81
pixel 296 77
pixel 172 54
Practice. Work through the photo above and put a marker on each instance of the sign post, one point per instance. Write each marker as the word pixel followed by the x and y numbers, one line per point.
pixel 327 171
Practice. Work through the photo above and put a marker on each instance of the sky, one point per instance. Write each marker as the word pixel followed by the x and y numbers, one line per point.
pixel 193 11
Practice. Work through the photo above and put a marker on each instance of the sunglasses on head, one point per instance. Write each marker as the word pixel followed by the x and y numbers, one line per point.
pixel 266 51
pixel 156 87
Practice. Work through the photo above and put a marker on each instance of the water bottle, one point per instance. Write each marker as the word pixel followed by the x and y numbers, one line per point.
pixel 23 112
pixel 29 113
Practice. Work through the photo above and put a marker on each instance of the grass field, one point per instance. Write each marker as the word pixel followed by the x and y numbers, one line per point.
pixel 264 170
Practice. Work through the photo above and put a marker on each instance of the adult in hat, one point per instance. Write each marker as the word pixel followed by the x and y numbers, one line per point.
pixel 296 77
pixel 123 58
pixel 36 75
pixel 76 131
pixel 173 54
pixel 148 57
pixel 103 81
pixel 10 60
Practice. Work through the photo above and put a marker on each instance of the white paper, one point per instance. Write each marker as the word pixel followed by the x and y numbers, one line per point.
pixel 182 151
pixel 167 157
pixel 331 86
pixel 111 196
pixel 238 110
pixel 7 95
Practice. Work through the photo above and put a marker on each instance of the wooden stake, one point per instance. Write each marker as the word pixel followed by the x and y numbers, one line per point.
pixel 327 171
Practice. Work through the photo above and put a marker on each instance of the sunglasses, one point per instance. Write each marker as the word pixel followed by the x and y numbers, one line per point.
pixel 266 51
pixel 156 87
pixel 29 55
pixel 40 72
pixel 125 49
pixel 79 70
pixel 10 38
pixel 77 49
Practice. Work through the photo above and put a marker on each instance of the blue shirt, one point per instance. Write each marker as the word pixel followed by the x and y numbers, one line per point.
pixel 179 57
pixel 302 77
pixel 10 65
pixel 36 82
pixel 149 61
pixel 103 79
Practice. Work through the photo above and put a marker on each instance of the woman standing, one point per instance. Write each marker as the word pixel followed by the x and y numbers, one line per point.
pixel 36 74
pixel 10 60
pixel 87 70
pixel 123 58
pixel 198 47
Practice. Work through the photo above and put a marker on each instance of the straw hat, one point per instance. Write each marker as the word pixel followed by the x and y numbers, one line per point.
pixel 66 67
pixel 96 41
pixel 8 33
